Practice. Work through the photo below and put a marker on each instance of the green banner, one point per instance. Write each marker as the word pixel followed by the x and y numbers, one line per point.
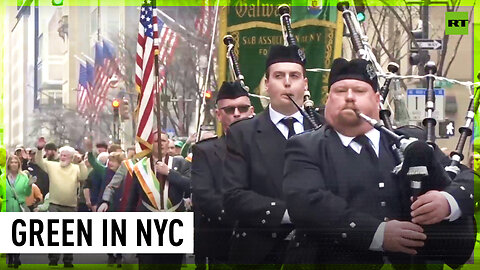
pixel 257 27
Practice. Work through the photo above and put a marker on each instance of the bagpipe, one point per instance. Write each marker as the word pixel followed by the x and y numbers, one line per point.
pixel 237 75
pixel 465 131
pixel 233 62
pixel 363 51
pixel 449 242
pixel 309 111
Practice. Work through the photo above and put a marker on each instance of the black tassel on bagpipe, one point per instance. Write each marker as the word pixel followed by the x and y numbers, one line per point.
pixel 233 61
pixel 312 116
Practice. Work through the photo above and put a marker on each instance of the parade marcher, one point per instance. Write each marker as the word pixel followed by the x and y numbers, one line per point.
pixel 35 198
pixel 115 148
pixel 173 175
pixel 254 164
pixel 51 153
pixel 95 183
pixel 106 172
pixel 130 152
pixel 116 193
pixel 21 153
pixel 347 205
pixel 43 182
pixel 171 148
pixel 101 147
pixel 65 178
pixel 178 148
pixel 18 188
pixel 186 148
pixel 213 228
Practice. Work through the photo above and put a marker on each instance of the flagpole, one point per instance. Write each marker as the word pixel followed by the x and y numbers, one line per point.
pixel 207 79
pixel 158 105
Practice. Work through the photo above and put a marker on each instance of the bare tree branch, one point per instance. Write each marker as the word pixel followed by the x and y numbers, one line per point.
pixel 379 39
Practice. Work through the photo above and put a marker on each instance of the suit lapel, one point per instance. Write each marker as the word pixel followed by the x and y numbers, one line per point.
pixel 272 144
pixel 218 159
pixel 220 149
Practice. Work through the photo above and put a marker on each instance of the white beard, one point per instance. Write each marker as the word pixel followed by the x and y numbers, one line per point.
pixel 64 164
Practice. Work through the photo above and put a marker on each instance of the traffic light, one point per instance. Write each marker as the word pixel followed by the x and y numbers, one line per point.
pixel 116 108
pixel 419 58
pixel 124 110
pixel 57 2
pixel 417 55
pixel 208 94
pixel 360 8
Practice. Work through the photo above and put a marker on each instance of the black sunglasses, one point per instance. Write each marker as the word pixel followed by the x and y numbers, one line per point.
pixel 231 109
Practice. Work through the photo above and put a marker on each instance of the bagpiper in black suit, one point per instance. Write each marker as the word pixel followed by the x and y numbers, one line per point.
pixel 347 206
pixel 254 165
pixel 177 174
pixel 213 226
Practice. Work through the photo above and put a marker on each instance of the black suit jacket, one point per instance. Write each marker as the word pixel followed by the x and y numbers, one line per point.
pixel 336 203
pixel 253 177
pixel 179 185
pixel 213 226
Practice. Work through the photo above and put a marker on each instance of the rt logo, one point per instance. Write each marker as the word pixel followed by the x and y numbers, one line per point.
pixel 456 23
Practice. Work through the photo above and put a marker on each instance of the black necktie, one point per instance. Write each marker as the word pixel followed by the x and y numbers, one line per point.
pixel 288 121
pixel 365 143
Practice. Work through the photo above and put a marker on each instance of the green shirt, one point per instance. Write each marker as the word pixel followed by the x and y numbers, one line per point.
pixel 3 182
pixel 15 195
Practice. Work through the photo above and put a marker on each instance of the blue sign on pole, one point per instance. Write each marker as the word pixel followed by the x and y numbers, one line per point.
pixel 416 104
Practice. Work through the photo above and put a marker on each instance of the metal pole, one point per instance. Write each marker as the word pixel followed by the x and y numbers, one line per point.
pixel 159 124
pixel 425 18
pixel 36 102
pixel 165 101
pixel 98 21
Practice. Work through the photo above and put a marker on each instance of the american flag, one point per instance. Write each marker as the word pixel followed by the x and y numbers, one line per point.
pixel 110 68
pixel 154 36
pixel 168 42
pixel 205 20
pixel 105 67
pixel 83 92
pixel 90 81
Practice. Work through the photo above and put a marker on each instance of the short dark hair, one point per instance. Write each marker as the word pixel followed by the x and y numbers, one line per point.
pixel 102 145
pixel 114 148
pixel 51 146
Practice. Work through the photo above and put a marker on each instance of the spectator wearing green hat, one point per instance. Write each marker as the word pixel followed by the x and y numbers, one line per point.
pixel 178 147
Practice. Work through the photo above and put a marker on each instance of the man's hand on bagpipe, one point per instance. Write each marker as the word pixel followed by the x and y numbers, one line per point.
pixel 430 208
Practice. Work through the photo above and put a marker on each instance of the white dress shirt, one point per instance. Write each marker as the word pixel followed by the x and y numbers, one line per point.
pixel 277 117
